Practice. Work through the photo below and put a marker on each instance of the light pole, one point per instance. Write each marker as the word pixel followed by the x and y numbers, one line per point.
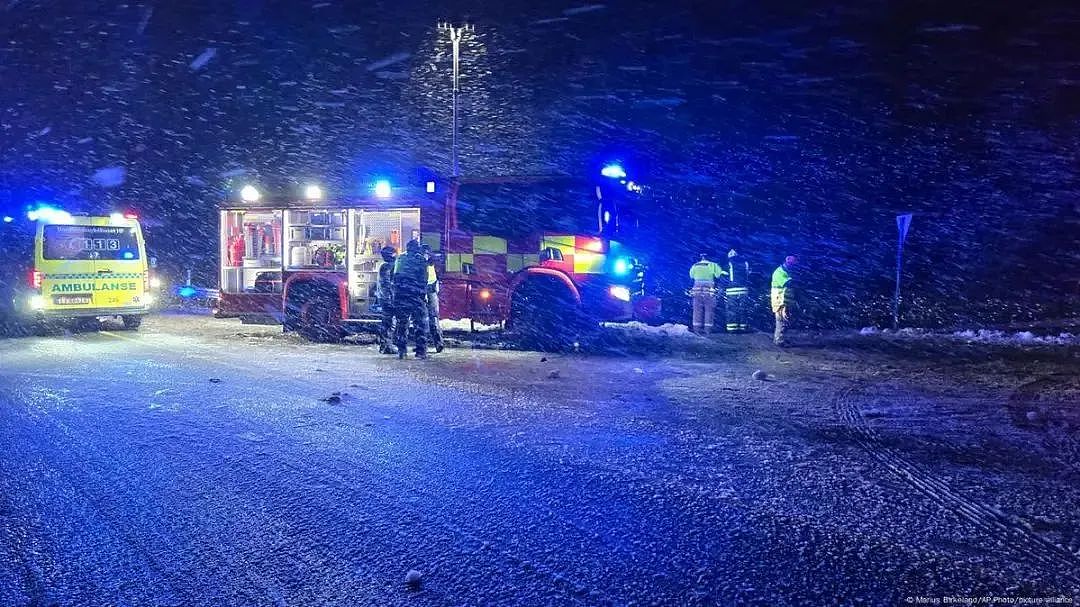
pixel 455 40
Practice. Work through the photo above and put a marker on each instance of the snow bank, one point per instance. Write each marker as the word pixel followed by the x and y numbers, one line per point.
pixel 463 325
pixel 985 336
pixel 665 330
pixel 1021 337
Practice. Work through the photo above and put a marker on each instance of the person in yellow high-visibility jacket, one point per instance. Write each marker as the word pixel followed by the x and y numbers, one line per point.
pixel 435 336
pixel 782 298
pixel 703 294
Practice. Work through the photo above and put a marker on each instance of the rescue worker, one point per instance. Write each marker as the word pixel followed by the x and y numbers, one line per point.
pixel 410 302
pixel 434 330
pixel 737 294
pixel 703 294
pixel 385 294
pixel 782 298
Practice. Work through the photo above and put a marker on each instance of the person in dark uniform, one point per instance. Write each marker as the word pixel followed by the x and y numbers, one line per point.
pixel 737 294
pixel 385 295
pixel 410 300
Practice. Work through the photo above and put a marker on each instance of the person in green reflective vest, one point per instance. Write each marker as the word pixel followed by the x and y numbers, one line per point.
pixel 435 337
pixel 703 294
pixel 783 298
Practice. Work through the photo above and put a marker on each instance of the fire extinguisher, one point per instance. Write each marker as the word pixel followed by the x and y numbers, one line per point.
pixel 236 249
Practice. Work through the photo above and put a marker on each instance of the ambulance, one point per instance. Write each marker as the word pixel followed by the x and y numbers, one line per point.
pixel 84 268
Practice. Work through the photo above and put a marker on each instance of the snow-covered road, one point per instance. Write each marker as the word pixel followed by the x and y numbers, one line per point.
pixel 198 462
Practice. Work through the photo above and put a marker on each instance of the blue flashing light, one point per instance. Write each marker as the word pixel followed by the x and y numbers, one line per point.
pixel 48 214
pixel 621 266
pixel 383 189
pixel 128 255
pixel 613 171
pixel 186 292
pixel 8 219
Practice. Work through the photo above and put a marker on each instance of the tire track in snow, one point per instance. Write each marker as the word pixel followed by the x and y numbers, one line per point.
pixel 1028 546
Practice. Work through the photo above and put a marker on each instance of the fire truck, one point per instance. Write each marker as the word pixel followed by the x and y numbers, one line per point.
pixel 506 250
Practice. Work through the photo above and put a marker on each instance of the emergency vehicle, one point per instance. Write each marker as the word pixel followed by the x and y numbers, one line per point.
pixel 64 269
pixel 508 251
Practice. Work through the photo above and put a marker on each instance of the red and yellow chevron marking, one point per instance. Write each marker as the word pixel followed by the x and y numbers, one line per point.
pixel 495 255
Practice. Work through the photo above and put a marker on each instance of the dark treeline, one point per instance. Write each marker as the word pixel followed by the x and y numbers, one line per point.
pixel 756 125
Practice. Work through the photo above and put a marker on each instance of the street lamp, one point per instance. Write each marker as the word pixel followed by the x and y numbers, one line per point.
pixel 455 40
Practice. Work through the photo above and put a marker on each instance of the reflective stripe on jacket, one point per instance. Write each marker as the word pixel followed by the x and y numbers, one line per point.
pixel 432 279
pixel 705 272
pixel 779 295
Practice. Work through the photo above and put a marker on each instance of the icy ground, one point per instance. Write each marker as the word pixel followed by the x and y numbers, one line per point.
pixel 201 462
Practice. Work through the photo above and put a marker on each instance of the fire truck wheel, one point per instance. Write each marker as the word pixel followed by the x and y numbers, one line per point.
pixel 322 323
pixel 544 315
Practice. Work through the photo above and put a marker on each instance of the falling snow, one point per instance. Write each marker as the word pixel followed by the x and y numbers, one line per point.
pixel 656 465
pixel 204 58
pixel 110 177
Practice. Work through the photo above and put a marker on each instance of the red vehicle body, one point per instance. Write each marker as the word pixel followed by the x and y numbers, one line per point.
pixel 312 264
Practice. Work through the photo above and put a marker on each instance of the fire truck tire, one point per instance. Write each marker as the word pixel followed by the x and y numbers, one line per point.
pixel 322 322
pixel 544 315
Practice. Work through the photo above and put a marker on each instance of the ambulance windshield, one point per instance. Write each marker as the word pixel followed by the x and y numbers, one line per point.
pixel 90 242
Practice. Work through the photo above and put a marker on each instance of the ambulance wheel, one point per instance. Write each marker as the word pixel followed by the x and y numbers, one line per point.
pixel 42 328
pixel 86 325
pixel 131 323
pixel 322 323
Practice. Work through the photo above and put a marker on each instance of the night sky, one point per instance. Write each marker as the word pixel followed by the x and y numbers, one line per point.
pixel 772 127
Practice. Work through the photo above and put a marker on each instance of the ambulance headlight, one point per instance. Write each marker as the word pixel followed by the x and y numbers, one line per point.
pixel 37 302
pixel 149 299
pixel 620 293
pixel 155 282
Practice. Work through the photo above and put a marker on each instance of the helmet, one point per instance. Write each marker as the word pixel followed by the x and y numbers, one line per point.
pixel 791 260
pixel 732 253
pixel 413 246
pixel 388 253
